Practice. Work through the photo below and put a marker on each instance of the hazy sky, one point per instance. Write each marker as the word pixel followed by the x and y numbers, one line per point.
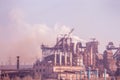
pixel 25 24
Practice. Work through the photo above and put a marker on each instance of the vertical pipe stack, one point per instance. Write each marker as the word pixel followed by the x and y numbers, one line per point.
pixel 18 63
pixel 80 75
pixel 105 74
pixel 55 59
pixel 60 55
pixel 65 58
pixel 91 56
pixel 70 58
pixel 97 74
pixel 89 73
pixel 70 52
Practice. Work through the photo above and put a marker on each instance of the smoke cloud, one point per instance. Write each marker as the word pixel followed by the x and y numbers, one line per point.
pixel 24 39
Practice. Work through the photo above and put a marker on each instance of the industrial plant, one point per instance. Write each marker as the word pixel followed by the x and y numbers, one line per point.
pixel 70 60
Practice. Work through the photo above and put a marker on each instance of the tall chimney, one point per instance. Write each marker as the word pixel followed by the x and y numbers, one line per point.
pixel 18 63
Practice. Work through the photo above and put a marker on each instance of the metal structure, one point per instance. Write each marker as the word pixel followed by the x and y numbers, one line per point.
pixel 90 54
pixel 116 55
pixel 64 51
pixel 111 46
pixel 63 48
pixel 69 59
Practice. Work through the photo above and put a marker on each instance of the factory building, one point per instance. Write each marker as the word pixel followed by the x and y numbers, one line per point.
pixel 70 60
pixel 67 58
pixel 60 60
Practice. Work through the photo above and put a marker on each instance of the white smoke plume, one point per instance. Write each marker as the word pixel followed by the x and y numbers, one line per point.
pixel 24 39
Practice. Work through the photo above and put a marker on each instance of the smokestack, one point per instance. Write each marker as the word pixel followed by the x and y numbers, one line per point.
pixel 18 63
